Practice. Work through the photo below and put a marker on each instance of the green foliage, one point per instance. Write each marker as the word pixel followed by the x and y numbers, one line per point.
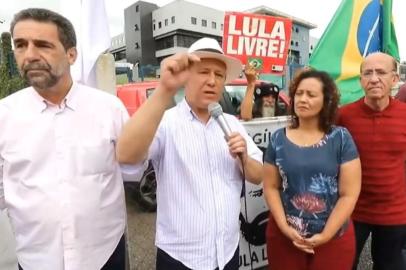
pixel 10 79
pixel 6 43
pixel 121 79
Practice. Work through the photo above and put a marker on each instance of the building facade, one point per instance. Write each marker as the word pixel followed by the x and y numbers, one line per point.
pixel 140 44
pixel 117 48
pixel 175 31
pixel 312 44
pixel 153 33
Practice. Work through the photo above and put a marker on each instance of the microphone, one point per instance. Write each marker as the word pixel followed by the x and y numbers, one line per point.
pixel 216 112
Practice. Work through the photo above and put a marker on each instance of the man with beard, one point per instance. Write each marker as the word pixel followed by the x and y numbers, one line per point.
pixel 265 97
pixel 59 178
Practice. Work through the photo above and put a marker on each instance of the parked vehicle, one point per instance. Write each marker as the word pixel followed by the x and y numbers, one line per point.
pixel 143 187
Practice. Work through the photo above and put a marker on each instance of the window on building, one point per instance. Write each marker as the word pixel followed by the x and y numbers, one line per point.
pixel 221 27
pixel 137 45
pixel 166 22
pixel 137 8
pixel 119 55
pixel 135 27
pixel 204 23
pixel 291 42
pixel 185 41
pixel 297 43
pixel 294 57
pixel 165 43
pixel 311 47
pixel 297 30
pixel 193 20
pixel 173 19
pixel 213 25
pixel 159 25
pixel 153 26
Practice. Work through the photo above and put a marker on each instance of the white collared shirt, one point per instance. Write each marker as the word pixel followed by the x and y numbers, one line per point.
pixel 62 185
pixel 199 188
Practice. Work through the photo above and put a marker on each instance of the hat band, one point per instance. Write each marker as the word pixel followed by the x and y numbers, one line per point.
pixel 210 50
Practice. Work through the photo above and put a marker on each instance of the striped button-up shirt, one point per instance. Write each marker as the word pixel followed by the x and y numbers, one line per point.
pixel 199 188
pixel 62 185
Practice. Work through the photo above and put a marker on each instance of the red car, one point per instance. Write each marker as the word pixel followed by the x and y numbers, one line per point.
pixel 134 94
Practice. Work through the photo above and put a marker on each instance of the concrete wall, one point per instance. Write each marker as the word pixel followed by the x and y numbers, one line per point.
pixel 300 42
pixel 183 11
pixel 140 45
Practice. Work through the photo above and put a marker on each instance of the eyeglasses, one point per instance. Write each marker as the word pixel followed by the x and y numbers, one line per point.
pixel 367 74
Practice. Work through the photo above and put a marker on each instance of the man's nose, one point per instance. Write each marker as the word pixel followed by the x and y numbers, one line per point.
pixel 374 77
pixel 212 78
pixel 31 53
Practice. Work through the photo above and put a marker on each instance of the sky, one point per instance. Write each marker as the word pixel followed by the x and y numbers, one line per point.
pixel 318 12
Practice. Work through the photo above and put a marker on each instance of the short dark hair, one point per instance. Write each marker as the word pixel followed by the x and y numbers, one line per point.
pixel 330 98
pixel 66 32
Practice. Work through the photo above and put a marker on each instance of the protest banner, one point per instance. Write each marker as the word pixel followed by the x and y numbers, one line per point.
pixel 253 225
pixel 258 39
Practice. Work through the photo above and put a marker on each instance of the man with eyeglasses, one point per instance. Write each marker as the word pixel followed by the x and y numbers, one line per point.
pixel 377 123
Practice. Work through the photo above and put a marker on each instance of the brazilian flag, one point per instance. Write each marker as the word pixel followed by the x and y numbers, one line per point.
pixel 358 27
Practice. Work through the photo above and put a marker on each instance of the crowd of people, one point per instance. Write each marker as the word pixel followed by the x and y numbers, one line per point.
pixel 331 178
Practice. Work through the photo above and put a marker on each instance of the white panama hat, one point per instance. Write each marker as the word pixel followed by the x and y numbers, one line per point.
pixel 210 48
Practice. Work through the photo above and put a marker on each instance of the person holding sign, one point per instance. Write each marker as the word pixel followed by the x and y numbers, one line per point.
pixel 266 97
pixel 312 179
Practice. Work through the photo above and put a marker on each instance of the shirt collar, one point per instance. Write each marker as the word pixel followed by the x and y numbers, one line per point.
pixel 71 100
pixel 38 102
pixel 370 111
pixel 186 110
pixel 189 113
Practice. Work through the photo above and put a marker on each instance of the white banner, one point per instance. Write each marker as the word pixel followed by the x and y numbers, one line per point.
pixel 90 21
pixel 253 226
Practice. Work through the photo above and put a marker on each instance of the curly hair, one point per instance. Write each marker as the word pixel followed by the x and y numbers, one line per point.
pixel 66 32
pixel 331 98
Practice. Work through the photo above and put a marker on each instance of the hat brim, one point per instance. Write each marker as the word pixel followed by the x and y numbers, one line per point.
pixel 233 65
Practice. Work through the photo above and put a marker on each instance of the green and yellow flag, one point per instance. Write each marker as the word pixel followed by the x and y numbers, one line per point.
pixel 358 27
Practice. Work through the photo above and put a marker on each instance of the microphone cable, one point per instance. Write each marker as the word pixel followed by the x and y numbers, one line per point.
pixel 244 195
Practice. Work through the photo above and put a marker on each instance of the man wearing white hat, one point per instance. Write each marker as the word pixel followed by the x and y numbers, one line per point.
pixel 199 174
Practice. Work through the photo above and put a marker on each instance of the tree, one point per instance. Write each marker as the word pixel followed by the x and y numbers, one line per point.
pixel 10 79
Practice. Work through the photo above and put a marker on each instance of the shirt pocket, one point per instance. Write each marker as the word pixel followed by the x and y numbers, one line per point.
pixel 95 157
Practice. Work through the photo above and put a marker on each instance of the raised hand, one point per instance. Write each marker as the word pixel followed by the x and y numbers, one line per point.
pixel 175 71
pixel 250 73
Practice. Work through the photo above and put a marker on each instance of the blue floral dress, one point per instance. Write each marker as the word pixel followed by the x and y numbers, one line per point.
pixel 309 176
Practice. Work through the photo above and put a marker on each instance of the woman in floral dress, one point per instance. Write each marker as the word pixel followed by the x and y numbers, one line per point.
pixel 312 179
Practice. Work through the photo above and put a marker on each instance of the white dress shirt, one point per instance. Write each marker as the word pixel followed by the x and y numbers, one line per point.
pixel 199 188
pixel 62 185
